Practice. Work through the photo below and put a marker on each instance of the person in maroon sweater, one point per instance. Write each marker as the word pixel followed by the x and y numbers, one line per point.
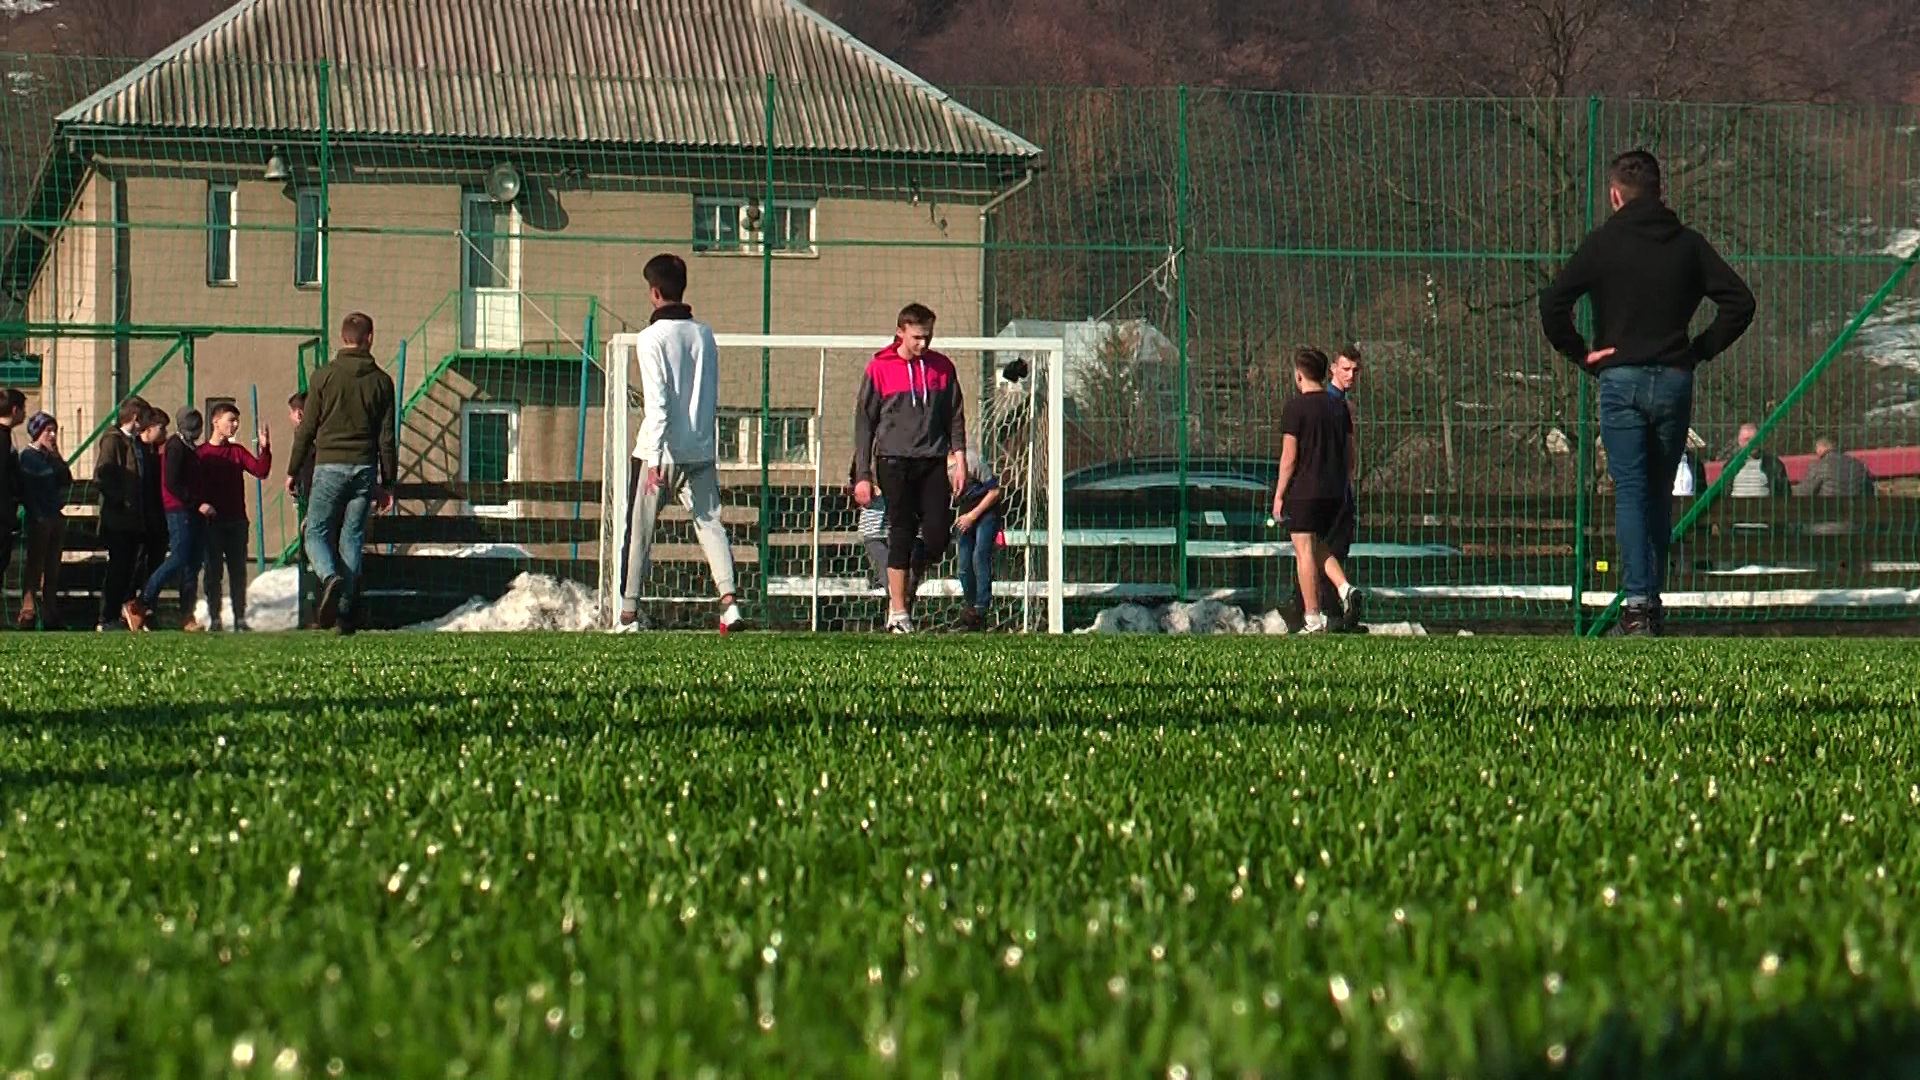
pixel 224 467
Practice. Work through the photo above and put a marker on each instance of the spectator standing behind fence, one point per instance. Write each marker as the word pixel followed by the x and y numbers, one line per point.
pixel 1645 274
pixel 679 365
pixel 300 484
pixel 347 435
pixel 1316 469
pixel 1834 473
pixel 1763 475
pixel 976 535
pixel 153 535
pixel 187 515
pixel 117 476
pixel 909 420
pixel 13 410
pixel 46 483
pixel 224 468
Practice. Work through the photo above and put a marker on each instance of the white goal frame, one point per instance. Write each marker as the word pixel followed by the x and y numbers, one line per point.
pixel 618 362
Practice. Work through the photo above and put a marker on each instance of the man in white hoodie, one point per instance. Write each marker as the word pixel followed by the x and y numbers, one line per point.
pixel 680 380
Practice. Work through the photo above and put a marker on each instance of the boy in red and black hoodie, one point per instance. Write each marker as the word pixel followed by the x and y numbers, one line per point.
pixel 910 437
pixel 224 467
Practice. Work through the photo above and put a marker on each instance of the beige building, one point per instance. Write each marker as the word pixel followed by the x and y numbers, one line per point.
pixel 495 176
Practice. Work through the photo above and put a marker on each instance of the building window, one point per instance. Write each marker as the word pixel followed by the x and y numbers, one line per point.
pixel 222 239
pixel 788 441
pixel 307 240
pixel 732 226
pixel 490 452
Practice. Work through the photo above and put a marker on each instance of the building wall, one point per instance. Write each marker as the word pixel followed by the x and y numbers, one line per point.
pixel 395 255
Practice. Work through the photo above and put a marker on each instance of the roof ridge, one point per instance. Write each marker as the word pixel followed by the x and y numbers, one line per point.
pixel 900 71
pixel 156 61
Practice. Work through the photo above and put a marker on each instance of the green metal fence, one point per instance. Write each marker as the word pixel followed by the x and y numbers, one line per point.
pixel 1183 240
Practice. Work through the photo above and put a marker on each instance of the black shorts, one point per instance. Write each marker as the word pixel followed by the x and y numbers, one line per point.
pixel 1316 516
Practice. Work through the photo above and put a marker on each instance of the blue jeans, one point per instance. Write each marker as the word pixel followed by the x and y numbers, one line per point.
pixel 975 551
pixel 337 523
pixel 186 533
pixel 1644 413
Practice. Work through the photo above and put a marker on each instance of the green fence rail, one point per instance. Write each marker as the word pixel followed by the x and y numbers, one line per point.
pixel 1182 240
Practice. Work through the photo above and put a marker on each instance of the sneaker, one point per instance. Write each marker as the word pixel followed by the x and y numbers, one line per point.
pixel 628 622
pixel 133 615
pixel 971 619
pixel 899 623
pixel 192 626
pixel 1636 620
pixel 731 619
pixel 329 610
pixel 1657 619
pixel 1315 624
pixel 1353 603
pixel 343 625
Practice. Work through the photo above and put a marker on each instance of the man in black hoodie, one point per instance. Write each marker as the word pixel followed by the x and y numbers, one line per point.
pixel 1646 274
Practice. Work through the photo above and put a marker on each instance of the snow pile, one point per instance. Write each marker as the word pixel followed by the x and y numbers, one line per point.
pixel 271 603
pixel 532 602
pixel 1213 617
pixel 474 551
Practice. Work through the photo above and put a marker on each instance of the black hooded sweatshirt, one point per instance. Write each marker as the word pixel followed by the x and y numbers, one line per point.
pixel 1646 274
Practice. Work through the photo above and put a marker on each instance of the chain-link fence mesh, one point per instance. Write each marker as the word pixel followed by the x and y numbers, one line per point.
pixel 211 224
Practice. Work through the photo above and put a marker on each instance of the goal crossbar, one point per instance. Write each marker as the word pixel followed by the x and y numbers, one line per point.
pixel 618 359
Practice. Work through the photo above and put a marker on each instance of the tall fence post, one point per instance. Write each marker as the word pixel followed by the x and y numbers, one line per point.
pixel 1583 459
pixel 259 499
pixel 186 358
pixel 1183 167
pixel 766 368
pixel 590 345
pixel 325 224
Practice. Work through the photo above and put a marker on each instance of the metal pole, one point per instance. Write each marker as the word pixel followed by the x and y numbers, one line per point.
pixel 1583 459
pixel 399 387
pixel 186 357
pixel 766 369
pixel 326 181
pixel 1033 447
pixel 819 417
pixel 259 500
pixel 1740 456
pixel 587 349
pixel 1180 298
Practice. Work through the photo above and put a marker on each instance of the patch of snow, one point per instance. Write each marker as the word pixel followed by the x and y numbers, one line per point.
pixel 1902 243
pixel 17 8
pixel 474 551
pixel 532 602
pixel 271 603
pixel 1213 617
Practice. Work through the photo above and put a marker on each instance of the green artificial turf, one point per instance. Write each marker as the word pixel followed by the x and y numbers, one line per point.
pixel 443 856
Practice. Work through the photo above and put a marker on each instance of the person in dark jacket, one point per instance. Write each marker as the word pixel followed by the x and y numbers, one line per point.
pixel 910 436
pixel 1645 274
pixel 13 410
pixel 1835 473
pixel 187 513
pixel 347 431
pixel 123 515
pixel 153 540
pixel 46 482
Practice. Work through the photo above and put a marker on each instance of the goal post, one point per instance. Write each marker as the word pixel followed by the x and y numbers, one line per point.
pixel 796 427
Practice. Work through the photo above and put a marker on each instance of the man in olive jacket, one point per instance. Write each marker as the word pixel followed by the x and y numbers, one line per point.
pixel 348 433
pixel 123 514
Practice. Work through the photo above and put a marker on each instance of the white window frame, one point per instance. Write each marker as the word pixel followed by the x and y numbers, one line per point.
pixel 511 410
pixel 301 199
pixel 753 439
pixel 750 241
pixel 232 229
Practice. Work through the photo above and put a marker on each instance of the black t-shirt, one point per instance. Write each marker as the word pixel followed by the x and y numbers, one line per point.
pixel 1323 427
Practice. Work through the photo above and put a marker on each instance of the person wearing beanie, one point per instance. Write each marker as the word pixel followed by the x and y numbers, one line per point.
pixel 187 515
pixel 46 483
pixel 118 476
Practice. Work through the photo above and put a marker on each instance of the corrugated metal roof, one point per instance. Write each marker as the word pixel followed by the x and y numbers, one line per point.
pixel 687 73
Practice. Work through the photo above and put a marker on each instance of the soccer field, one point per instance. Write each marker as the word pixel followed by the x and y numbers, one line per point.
pixel 447 856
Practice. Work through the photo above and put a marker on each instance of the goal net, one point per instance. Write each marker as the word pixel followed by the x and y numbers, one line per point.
pixel 784 455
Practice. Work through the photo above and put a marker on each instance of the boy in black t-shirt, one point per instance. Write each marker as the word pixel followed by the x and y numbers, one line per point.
pixel 1316 469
